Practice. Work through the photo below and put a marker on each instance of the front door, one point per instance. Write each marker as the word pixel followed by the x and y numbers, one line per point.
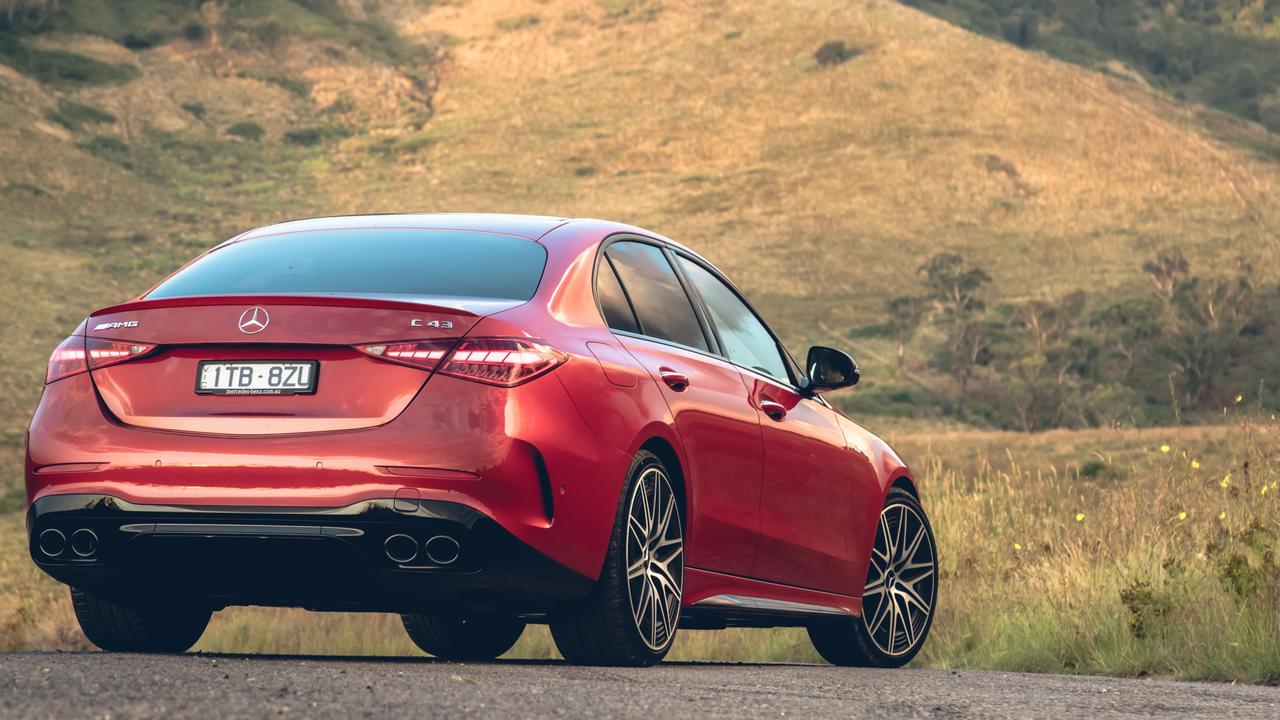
pixel 806 528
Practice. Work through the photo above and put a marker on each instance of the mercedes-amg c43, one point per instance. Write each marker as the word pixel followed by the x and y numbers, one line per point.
pixel 477 422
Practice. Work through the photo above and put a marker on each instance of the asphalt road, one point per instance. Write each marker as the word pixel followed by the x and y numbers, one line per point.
pixel 70 685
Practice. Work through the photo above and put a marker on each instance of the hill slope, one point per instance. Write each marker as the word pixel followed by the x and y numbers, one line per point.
pixel 820 188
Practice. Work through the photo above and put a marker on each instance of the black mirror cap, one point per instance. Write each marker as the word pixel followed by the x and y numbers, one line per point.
pixel 830 369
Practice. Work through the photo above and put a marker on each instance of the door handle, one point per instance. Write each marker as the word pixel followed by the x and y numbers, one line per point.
pixel 675 380
pixel 775 410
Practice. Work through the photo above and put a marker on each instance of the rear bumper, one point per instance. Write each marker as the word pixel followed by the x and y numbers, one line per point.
pixel 317 558
pixel 522 457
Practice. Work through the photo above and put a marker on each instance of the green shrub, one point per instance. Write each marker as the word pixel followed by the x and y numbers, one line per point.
pixel 834 53
pixel 19 188
pixel 74 116
pixel 304 136
pixel 518 21
pixel 111 149
pixel 246 130
pixel 57 67
pixel 298 87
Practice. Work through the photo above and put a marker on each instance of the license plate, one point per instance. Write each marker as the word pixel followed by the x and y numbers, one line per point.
pixel 256 377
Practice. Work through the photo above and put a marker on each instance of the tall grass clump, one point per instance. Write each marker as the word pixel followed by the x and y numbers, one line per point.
pixel 1167 568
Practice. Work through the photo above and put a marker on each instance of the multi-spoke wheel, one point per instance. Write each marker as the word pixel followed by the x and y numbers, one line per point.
pixel 655 558
pixel 632 615
pixel 898 599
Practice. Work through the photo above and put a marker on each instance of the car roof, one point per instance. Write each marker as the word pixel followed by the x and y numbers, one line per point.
pixel 530 227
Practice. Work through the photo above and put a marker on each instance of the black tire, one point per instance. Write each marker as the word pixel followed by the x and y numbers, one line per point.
pixel 117 626
pixel 851 641
pixel 459 637
pixel 606 629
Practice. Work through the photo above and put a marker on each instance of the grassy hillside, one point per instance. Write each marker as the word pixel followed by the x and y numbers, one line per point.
pixel 819 151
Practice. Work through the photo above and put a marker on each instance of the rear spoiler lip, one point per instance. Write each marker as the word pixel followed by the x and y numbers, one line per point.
pixel 428 303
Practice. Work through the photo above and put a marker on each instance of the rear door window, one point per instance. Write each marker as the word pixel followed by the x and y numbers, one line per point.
pixel 661 305
pixel 614 304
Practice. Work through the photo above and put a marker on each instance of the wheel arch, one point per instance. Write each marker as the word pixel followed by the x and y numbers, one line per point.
pixel 906 483
pixel 671 459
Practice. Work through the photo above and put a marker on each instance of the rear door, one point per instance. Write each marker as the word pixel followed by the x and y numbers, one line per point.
pixel 807 493
pixel 647 307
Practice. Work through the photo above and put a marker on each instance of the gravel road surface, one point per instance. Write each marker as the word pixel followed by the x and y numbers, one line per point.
pixel 71 685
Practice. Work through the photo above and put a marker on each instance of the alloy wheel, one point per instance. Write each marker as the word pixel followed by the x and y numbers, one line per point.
pixel 901 583
pixel 654 558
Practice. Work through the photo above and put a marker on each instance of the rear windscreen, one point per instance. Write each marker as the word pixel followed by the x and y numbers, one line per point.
pixel 366 262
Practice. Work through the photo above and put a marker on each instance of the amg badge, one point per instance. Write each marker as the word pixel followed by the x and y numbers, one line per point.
pixel 116 325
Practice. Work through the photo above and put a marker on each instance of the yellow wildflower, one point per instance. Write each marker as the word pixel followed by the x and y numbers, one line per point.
pixel 1239 399
pixel 1017 546
pixel 1226 481
pixel 1222 515
pixel 1195 464
pixel 1264 490
pixel 1182 515
pixel 1164 449
pixel 1079 517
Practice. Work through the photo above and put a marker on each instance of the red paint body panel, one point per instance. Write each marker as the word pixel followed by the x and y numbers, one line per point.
pixel 810 490
pixel 779 509
pixel 720 431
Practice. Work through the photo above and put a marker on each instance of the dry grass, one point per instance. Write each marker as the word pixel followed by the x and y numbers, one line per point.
pixel 1163 562
pixel 1043 569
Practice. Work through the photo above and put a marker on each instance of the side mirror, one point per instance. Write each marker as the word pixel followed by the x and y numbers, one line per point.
pixel 830 369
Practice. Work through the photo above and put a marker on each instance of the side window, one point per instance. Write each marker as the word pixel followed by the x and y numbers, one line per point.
pixel 662 307
pixel 746 340
pixel 613 301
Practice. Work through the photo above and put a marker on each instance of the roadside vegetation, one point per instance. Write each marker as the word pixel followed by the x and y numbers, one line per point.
pixel 1183 345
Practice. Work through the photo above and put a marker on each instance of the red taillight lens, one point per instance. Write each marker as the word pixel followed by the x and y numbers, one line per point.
pixel 502 361
pixel 67 359
pixel 109 352
pixel 78 353
pixel 496 361
pixel 426 354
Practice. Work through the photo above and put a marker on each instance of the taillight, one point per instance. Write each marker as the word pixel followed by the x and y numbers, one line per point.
pixel 426 354
pixel 502 361
pixel 497 361
pixel 77 354
pixel 67 359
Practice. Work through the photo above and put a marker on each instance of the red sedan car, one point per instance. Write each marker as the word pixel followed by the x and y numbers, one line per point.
pixel 478 422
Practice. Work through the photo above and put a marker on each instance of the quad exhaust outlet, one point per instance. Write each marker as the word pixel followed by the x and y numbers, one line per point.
pixel 53 543
pixel 439 550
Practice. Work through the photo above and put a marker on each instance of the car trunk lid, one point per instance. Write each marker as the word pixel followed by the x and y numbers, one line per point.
pixel 351 389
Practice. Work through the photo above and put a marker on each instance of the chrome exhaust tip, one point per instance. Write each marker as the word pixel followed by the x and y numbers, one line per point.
pixel 84 542
pixel 52 542
pixel 400 548
pixel 442 550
